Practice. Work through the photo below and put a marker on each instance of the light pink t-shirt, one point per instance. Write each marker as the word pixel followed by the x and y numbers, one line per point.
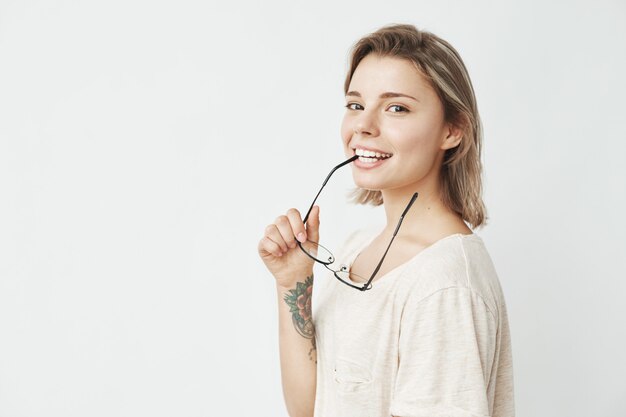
pixel 430 339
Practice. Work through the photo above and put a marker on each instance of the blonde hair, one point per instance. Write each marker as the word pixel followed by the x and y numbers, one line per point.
pixel 441 65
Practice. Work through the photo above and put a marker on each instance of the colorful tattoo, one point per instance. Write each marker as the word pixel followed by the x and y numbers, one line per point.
pixel 299 302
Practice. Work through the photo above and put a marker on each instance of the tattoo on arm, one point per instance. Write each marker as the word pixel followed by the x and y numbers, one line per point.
pixel 299 302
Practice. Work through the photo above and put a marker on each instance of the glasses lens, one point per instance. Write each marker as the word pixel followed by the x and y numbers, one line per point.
pixel 350 277
pixel 318 252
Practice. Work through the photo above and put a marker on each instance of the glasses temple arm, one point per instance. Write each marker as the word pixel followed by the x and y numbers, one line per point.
pixel 406 210
pixel 392 238
pixel 325 181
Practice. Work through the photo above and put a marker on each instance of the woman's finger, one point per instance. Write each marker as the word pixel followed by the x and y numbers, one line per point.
pixel 272 231
pixel 313 225
pixel 297 227
pixel 284 227
pixel 268 246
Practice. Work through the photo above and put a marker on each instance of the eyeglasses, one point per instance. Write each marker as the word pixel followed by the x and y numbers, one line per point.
pixel 322 255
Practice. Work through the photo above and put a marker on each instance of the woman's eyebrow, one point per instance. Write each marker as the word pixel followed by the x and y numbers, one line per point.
pixel 388 94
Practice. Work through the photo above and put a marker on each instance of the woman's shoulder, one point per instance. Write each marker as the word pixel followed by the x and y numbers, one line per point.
pixel 456 261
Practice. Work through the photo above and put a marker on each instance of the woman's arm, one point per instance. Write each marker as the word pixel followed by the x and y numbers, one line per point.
pixel 298 354
pixel 293 270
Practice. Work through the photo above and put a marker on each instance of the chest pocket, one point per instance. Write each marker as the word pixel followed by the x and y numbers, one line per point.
pixel 354 388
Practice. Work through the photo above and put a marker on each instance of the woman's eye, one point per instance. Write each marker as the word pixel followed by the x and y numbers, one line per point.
pixel 399 109
pixel 350 106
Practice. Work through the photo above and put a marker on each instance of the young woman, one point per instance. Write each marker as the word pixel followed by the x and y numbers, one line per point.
pixel 415 323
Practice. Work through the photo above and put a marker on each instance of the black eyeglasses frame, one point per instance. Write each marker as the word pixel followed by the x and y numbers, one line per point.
pixel 368 284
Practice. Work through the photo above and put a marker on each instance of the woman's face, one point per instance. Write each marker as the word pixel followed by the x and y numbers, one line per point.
pixel 392 109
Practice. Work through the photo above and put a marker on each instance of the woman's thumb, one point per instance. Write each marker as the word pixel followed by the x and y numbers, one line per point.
pixel 313 225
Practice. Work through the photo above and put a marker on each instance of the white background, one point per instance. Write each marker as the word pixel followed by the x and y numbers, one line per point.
pixel 145 145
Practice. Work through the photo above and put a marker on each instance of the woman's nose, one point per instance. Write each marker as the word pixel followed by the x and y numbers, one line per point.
pixel 366 124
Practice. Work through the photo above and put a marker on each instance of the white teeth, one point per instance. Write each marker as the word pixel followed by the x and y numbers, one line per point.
pixel 371 154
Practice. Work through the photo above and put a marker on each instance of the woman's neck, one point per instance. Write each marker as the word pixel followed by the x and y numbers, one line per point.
pixel 427 220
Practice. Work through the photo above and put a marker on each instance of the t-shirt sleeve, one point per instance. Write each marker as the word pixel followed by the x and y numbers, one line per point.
pixel 446 350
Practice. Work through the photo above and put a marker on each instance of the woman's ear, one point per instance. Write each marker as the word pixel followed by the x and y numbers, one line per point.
pixel 454 134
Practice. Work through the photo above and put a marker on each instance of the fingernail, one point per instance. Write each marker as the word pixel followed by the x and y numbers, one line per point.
pixel 301 237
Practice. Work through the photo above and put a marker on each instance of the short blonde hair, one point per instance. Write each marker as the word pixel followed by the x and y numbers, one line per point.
pixel 441 65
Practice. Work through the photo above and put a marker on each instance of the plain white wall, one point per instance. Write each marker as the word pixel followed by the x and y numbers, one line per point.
pixel 145 145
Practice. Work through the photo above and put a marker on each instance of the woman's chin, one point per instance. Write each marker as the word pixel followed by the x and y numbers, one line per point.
pixel 367 185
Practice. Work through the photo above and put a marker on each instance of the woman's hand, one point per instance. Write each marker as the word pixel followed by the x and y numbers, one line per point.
pixel 279 249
